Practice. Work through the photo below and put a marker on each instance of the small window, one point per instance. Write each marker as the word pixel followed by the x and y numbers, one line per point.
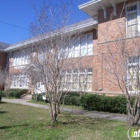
pixel 132 21
pixel 132 8
pixel 133 74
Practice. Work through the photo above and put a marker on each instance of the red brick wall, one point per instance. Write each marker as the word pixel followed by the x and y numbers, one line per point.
pixel 110 29
pixel 3 58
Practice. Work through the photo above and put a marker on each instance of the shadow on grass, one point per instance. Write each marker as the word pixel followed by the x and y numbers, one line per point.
pixel 3 112
pixel 3 102
pixel 83 120
pixel 6 127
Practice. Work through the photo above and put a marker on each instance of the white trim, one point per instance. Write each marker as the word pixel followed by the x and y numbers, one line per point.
pixel 138 20
pixel 104 9
pixel 85 25
pixel 88 3
pixel 131 64
pixel 18 87
pixel 87 46
pixel 18 83
pixel 85 72
pixel 114 7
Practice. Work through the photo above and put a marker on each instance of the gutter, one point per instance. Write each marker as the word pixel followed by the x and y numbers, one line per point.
pixel 88 3
pixel 70 28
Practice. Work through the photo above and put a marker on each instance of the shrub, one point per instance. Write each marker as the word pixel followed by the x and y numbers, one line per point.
pixel 104 103
pixel 2 93
pixel 71 98
pixel 14 92
pixel 0 98
pixel 70 93
pixel 38 97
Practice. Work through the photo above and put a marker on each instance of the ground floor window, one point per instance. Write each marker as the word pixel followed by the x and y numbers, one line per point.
pixel 133 74
pixel 77 80
pixel 19 81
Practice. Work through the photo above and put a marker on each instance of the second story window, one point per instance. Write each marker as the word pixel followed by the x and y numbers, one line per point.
pixel 21 57
pixel 82 46
pixel 132 15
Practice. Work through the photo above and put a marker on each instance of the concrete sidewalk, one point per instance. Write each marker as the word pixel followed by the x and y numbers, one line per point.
pixel 94 114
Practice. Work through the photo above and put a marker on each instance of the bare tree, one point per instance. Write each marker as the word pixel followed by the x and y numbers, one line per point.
pixel 50 53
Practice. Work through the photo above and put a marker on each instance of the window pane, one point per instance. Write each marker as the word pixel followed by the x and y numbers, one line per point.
pixel 75 78
pixel 83 45
pixel 133 74
pixel 132 29
pixel 81 77
pixel 75 85
pixel 77 48
pixel 89 86
pixel 132 8
pixel 89 78
pixel 132 18
pixel 68 78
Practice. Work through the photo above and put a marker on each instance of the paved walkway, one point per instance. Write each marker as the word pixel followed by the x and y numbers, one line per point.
pixel 94 114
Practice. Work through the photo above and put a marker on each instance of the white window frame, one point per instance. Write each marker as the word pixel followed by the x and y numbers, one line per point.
pixel 78 52
pixel 17 83
pixel 71 73
pixel 138 19
pixel 21 58
pixel 130 65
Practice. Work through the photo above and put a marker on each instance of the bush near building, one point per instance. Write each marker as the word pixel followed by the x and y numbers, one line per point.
pixel 0 97
pixel 17 93
pixel 116 104
pixel 39 97
pixel 68 98
pixel 71 98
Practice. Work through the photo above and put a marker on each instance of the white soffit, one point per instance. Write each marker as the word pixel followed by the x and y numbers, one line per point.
pixel 92 7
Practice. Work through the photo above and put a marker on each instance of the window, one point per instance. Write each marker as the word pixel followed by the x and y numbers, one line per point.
pixel 21 57
pixel 19 81
pixel 133 15
pixel 77 80
pixel 42 53
pixel 133 74
pixel 82 46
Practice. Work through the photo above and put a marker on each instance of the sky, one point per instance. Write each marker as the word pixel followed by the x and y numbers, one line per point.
pixel 17 15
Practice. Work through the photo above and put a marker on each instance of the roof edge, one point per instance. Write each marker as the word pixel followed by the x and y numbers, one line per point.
pixel 88 3
pixel 77 26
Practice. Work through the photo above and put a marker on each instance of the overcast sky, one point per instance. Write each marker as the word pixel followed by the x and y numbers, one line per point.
pixel 20 13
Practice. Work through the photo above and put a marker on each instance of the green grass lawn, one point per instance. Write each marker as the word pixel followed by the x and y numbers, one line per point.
pixel 65 106
pixel 18 122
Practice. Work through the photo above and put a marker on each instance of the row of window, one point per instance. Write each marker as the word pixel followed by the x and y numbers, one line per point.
pixel 21 57
pixel 82 46
pixel 19 81
pixel 77 80
pixel 74 80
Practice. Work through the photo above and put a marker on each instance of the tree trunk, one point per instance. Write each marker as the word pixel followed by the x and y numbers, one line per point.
pixel 53 112
pixel 133 117
pixel 58 106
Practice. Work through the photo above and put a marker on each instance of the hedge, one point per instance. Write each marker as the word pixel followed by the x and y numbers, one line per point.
pixel 17 93
pixel 116 104
pixel 0 97
pixel 71 98
pixel 38 97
